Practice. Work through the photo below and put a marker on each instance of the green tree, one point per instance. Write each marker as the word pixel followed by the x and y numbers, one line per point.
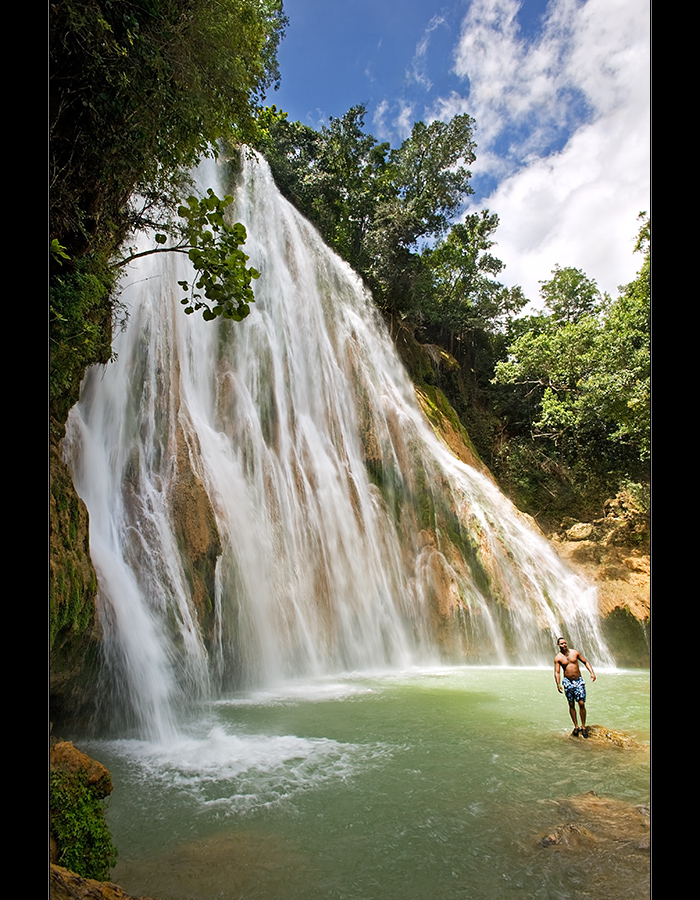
pixel 590 372
pixel 570 294
pixel 429 183
pixel 465 295
pixel 620 387
pixel 347 180
pixel 139 91
pixel 291 150
pixel 335 176
pixel 377 207
pixel 431 176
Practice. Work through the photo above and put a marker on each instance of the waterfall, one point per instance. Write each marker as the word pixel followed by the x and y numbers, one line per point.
pixel 267 501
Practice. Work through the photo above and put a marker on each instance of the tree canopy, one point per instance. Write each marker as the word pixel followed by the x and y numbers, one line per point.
pixel 589 365
pixel 464 293
pixel 391 212
pixel 139 91
pixel 569 294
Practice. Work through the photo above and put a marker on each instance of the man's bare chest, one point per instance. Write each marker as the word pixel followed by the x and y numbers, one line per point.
pixel 568 659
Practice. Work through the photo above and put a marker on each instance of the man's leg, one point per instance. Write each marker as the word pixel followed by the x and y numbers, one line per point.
pixel 582 710
pixel 572 713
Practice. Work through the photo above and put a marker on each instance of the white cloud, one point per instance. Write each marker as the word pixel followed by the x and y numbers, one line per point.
pixel 418 72
pixel 585 80
pixel 445 108
pixel 403 123
pixel 576 208
pixel 509 80
pixel 379 117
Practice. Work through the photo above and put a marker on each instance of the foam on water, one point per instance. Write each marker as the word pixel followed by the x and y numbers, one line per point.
pixel 231 774
pixel 316 692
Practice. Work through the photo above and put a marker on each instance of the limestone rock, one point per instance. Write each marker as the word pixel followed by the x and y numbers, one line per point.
pixel 581 531
pixel 611 825
pixel 66 885
pixel 599 734
pixel 614 553
pixel 197 535
pixel 444 422
pixel 67 758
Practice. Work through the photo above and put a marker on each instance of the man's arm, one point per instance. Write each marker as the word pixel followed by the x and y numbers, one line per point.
pixel 557 672
pixel 587 665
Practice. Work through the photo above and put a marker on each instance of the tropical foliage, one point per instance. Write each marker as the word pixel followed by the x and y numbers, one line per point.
pixel 77 822
pixel 588 363
pixel 213 248
pixel 140 90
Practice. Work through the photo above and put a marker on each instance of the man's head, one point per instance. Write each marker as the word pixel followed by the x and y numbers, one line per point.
pixel 561 643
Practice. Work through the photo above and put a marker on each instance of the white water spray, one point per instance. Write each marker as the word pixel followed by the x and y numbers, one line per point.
pixel 349 537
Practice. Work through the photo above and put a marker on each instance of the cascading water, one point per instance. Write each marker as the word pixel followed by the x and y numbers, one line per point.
pixel 267 500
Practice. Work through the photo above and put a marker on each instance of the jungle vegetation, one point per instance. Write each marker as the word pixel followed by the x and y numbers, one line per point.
pixel 140 90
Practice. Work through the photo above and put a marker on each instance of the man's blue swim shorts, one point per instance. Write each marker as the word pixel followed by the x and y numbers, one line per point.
pixel 574 690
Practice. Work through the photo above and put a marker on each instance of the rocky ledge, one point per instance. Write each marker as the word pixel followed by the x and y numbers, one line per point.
pixel 613 552
pixel 597 734
pixel 589 822
pixel 599 846
pixel 66 885
pixel 85 774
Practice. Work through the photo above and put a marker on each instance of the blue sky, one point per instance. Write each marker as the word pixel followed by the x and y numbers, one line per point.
pixel 559 90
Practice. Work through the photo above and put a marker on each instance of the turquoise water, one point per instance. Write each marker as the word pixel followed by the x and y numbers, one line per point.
pixel 420 786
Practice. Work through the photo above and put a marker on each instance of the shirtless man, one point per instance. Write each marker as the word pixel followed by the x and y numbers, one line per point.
pixel 574 687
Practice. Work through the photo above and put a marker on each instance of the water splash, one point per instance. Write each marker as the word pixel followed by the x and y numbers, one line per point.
pixel 346 536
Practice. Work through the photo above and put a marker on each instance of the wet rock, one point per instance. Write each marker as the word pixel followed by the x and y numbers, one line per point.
pixel 65 757
pixel 78 833
pixel 599 734
pixel 614 552
pixel 600 846
pixel 197 534
pixel 66 885
pixel 568 835
pixel 581 531
pixel 609 825
pixel 74 631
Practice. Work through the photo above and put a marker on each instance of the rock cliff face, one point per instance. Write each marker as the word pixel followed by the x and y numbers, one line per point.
pixel 197 534
pixel 448 428
pixel 74 628
pixel 614 553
